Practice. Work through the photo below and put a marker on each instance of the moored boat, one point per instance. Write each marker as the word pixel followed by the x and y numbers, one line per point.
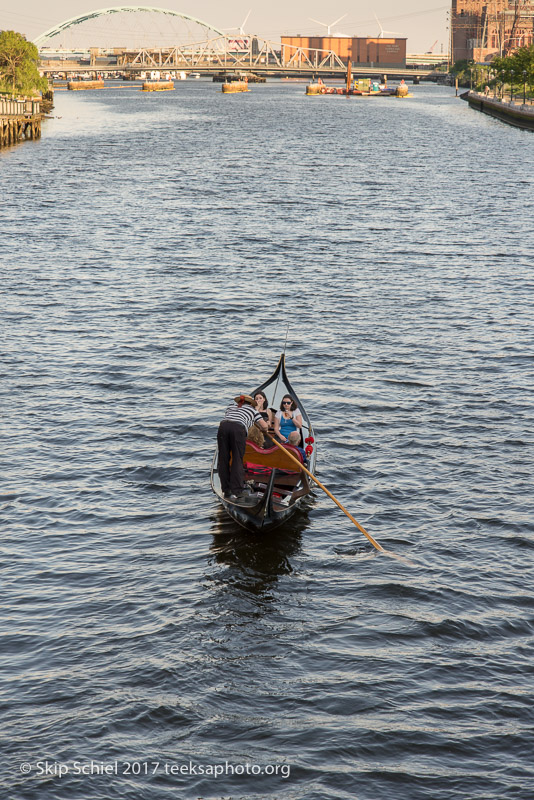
pixel 277 487
pixel 362 87
pixel 228 77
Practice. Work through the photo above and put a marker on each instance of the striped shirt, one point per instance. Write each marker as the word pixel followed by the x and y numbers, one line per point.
pixel 246 415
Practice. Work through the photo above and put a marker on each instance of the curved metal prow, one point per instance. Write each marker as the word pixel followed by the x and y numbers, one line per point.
pixel 285 343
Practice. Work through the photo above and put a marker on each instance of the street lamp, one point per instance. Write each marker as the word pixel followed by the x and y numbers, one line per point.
pixel 511 86
pixel 524 86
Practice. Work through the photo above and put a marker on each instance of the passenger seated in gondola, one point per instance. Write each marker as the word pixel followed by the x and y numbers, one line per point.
pixel 288 419
pixel 294 439
pixel 255 435
pixel 267 414
pixel 263 407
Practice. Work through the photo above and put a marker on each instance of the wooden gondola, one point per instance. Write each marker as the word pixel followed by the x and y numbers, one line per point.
pixel 278 488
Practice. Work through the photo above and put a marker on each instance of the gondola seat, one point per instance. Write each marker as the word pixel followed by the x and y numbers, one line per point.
pixel 261 461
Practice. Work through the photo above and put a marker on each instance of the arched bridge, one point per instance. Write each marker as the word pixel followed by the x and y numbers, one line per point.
pixel 213 53
pixel 106 12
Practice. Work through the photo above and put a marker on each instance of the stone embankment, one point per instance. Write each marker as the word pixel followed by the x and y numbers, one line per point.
pixel 521 115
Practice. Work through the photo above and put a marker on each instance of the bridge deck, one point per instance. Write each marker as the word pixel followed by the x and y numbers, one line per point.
pixel 273 70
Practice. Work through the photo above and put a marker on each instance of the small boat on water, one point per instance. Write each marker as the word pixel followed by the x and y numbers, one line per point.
pixel 277 487
pixel 228 77
pixel 361 88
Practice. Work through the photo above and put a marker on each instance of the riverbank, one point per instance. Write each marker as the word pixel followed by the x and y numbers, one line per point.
pixel 519 115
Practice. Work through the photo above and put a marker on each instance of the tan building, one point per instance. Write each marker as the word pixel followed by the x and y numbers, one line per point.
pixel 482 29
pixel 363 51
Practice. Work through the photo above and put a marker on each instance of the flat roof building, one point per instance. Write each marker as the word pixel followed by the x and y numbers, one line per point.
pixel 362 51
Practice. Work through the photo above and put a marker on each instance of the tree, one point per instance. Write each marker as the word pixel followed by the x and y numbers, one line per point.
pixel 19 62
pixel 523 61
pixel 517 63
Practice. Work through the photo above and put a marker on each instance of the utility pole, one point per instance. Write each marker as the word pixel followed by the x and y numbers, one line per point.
pixel 450 58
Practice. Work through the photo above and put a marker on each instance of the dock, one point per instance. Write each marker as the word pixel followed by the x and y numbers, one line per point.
pixel 20 119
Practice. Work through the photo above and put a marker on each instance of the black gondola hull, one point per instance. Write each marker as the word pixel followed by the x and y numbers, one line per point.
pixel 284 492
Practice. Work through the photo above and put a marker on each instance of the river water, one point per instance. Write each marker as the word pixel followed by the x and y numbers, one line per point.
pixel 154 249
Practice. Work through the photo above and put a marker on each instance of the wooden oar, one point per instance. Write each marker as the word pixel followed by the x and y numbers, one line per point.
pixel 318 482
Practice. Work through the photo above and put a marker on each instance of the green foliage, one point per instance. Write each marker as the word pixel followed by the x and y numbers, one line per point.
pixel 461 67
pixel 518 67
pixel 464 70
pixel 19 65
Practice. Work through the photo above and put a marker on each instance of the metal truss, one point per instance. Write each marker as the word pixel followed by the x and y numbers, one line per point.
pixel 306 58
pixel 254 53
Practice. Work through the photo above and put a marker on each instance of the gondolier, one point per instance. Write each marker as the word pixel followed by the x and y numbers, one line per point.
pixel 231 440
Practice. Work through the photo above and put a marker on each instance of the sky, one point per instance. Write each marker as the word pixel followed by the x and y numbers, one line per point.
pixel 421 21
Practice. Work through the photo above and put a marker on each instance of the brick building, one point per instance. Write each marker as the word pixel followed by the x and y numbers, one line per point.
pixel 363 51
pixel 482 29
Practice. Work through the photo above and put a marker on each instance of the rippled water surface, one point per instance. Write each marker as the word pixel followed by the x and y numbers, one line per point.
pixel 153 251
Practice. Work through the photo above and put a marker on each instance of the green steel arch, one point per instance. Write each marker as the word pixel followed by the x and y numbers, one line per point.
pixel 102 12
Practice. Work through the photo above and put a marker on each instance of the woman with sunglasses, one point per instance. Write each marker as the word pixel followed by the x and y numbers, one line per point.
pixel 288 419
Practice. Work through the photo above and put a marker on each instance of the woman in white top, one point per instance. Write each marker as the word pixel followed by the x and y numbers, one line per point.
pixel 288 419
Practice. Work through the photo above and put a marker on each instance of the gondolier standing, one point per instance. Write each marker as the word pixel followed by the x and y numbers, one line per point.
pixel 231 439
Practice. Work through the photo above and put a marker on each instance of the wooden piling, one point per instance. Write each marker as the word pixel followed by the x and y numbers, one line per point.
pixel 235 86
pixel 157 86
pixel 20 119
pixel 80 85
pixel 16 129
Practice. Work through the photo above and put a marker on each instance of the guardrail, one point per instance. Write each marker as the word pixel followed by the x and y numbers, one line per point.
pixel 19 107
pixel 20 118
